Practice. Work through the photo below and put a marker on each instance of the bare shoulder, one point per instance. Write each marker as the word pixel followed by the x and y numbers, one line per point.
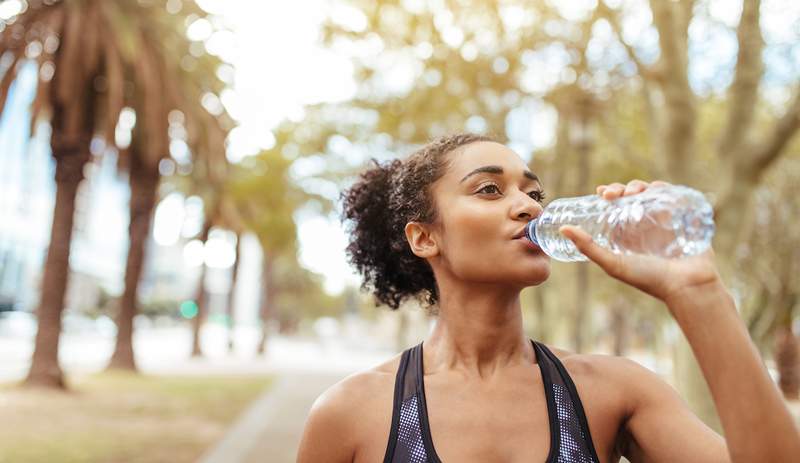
pixel 601 366
pixel 611 373
pixel 358 390
pixel 343 416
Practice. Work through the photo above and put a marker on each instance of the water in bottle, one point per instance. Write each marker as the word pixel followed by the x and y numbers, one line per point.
pixel 668 221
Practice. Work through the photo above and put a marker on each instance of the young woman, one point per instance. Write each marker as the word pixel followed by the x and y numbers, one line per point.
pixel 445 226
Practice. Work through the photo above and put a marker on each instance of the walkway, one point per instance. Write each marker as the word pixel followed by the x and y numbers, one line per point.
pixel 270 430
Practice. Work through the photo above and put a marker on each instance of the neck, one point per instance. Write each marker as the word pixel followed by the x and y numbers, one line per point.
pixel 479 331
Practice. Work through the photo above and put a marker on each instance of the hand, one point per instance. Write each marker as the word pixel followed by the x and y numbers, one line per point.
pixel 663 278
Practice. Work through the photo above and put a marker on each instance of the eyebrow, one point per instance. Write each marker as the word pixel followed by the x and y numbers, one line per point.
pixel 499 171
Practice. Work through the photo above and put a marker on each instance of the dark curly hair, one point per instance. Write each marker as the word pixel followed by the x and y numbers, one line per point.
pixel 378 207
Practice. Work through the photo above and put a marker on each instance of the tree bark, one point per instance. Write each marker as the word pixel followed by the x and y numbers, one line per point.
pixel 45 370
pixel 619 325
pixel 678 133
pixel 201 296
pixel 584 149
pixel 787 360
pixel 144 186
pixel 743 92
pixel 540 309
pixel 267 300
pixel 229 312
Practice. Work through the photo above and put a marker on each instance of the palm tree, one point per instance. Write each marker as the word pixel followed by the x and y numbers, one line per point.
pixel 95 57
pixel 63 39
pixel 164 88
pixel 267 199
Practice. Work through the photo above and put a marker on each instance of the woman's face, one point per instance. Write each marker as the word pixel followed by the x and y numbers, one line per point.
pixel 484 201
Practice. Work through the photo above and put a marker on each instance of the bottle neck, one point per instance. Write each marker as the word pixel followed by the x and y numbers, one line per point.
pixel 530 232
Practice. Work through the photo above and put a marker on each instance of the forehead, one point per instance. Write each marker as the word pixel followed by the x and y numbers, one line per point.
pixel 470 157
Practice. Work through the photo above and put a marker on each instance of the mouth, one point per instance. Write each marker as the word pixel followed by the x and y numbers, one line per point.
pixel 520 234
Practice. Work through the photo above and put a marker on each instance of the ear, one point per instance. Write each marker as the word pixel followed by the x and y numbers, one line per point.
pixel 420 239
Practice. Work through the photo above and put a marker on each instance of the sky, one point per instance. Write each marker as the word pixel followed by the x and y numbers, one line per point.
pixel 279 68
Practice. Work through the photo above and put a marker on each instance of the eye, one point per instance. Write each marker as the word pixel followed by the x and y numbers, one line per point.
pixel 491 188
pixel 537 195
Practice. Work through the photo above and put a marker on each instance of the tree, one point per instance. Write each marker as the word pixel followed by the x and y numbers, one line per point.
pixel 167 96
pixel 65 41
pixel 267 199
pixel 476 66
pixel 95 58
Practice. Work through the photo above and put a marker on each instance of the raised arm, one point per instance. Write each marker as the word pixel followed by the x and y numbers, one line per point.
pixel 758 425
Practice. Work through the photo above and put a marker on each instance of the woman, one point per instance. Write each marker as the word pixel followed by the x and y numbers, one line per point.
pixel 445 226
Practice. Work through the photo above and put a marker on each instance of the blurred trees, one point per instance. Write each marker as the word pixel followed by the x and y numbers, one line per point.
pixel 168 98
pixel 94 59
pixel 267 198
pixel 628 103
pixel 67 50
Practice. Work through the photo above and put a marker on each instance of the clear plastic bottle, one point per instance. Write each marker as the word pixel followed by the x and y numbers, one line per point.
pixel 668 221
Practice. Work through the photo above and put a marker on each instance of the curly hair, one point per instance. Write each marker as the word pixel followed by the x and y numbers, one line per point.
pixel 380 204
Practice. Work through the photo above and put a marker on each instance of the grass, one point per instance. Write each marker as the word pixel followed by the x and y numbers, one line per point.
pixel 122 418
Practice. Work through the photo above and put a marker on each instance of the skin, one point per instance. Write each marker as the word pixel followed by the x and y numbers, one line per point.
pixel 484 390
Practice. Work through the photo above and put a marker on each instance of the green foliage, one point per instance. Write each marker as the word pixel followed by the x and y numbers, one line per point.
pixel 471 65
pixel 301 294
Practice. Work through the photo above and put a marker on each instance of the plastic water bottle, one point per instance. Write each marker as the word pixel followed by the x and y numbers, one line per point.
pixel 668 221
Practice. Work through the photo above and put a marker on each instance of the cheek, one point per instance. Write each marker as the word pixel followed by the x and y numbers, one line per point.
pixel 470 232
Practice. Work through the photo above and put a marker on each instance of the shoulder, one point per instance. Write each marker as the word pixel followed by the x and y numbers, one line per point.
pixel 356 391
pixel 344 414
pixel 601 366
pixel 615 375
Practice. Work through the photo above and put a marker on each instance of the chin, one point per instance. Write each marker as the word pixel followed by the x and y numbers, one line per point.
pixel 533 276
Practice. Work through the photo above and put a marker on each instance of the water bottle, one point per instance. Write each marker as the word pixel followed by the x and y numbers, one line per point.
pixel 669 221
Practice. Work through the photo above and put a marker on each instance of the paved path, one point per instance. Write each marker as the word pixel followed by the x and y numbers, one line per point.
pixel 270 430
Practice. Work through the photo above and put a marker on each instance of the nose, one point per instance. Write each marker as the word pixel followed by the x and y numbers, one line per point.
pixel 525 208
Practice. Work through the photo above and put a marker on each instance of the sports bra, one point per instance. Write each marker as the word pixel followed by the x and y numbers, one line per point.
pixel 410 436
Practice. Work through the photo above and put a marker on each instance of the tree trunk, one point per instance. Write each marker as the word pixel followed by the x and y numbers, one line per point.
pixel 267 301
pixel 584 148
pixel 144 186
pixel 201 297
pixel 787 360
pixel 45 370
pixel 540 309
pixel 619 326
pixel 678 133
pixel 234 277
pixel 580 328
pixel 787 356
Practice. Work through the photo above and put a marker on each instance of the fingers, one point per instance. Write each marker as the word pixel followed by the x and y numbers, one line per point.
pixel 611 191
pixel 634 186
pixel 615 190
pixel 611 263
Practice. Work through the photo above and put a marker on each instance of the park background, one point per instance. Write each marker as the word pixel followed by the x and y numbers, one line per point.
pixel 173 281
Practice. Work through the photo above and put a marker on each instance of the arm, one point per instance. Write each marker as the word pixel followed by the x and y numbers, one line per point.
pixel 757 424
pixel 659 427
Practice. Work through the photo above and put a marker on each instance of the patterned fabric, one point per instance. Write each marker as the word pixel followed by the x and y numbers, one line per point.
pixel 410 439
pixel 409 435
pixel 573 449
